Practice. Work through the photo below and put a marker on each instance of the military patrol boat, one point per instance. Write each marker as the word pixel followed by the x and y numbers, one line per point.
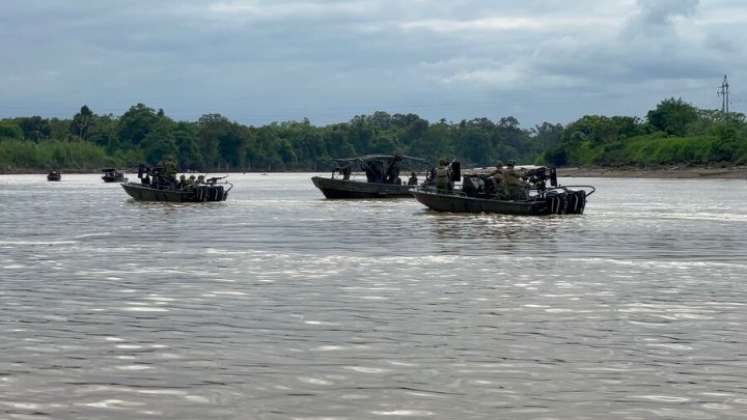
pixel 113 175
pixel 161 184
pixel 507 190
pixel 54 176
pixel 382 177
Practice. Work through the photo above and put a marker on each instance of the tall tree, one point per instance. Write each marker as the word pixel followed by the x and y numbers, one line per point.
pixel 160 143
pixel 82 122
pixel 136 123
pixel 672 116
pixel 34 128
pixel 10 130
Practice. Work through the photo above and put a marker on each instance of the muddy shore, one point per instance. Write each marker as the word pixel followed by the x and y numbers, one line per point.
pixel 732 172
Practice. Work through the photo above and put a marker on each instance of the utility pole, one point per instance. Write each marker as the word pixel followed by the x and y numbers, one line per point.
pixel 723 92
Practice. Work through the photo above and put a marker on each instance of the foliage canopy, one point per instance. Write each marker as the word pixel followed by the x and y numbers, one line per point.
pixel 673 132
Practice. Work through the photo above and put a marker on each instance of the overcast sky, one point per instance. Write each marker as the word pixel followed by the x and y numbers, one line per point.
pixel 257 61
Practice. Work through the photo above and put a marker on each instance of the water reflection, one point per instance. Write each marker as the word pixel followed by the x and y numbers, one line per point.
pixel 501 234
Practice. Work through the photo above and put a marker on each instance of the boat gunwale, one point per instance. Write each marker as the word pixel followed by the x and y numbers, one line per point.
pixel 144 187
pixel 466 197
pixel 355 181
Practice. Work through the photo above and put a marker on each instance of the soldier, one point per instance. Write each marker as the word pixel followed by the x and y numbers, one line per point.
pixel 498 172
pixel 413 181
pixel 392 173
pixel 515 187
pixel 443 177
pixel 495 181
pixel 169 170
pixel 430 178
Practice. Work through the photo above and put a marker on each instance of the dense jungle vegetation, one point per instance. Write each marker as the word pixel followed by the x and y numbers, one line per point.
pixel 675 132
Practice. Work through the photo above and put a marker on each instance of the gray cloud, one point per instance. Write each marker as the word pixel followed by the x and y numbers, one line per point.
pixel 659 12
pixel 262 60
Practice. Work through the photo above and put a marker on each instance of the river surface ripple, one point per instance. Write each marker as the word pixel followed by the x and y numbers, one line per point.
pixel 278 304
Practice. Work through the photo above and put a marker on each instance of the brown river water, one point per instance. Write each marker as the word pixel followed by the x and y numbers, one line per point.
pixel 278 304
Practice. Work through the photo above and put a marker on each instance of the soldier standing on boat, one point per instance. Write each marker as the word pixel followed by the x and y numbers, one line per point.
pixel 413 181
pixel 169 170
pixel 165 175
pixel 392 173
pixel 515 187
pixel 494 182
pixel 443 177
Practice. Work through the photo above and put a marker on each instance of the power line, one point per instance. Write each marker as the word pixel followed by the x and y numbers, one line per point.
pixel 723 92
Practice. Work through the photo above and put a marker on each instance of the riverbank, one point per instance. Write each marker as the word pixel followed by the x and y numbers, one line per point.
pixel 672 172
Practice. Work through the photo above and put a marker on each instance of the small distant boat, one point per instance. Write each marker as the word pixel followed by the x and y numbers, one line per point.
pixel 537 199
pixel 113 175
pixel 54 176
pixel 157 185
pixel 382 178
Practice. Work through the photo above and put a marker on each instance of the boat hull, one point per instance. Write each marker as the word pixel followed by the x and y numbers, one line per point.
pixel 119 178
pixel 339 188
pixel 566 204
pixel 197 195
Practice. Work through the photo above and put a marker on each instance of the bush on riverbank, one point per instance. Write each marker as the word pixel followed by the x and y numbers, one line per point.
pixel 673 133
pixel 18 155
pixel 646 150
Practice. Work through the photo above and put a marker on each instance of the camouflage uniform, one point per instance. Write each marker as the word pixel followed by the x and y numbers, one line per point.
pixel 169 170
pixel 514 186
pixel 442 177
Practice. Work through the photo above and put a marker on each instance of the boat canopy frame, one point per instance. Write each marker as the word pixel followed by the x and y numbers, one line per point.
pixel 380 157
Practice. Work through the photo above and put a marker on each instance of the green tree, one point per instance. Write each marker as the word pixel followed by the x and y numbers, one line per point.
pixel 223 143
pixel 34 128
pixel 546 135
pixel 103 131
pixel 10 130
pixel 187 142
pixel 473 143
pixel 672 116
pixel 136 123
pixel 82 122
pixel 160 143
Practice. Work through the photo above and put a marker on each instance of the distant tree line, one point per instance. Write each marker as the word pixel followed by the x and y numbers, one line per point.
pixel 213 142
pixel 674 132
